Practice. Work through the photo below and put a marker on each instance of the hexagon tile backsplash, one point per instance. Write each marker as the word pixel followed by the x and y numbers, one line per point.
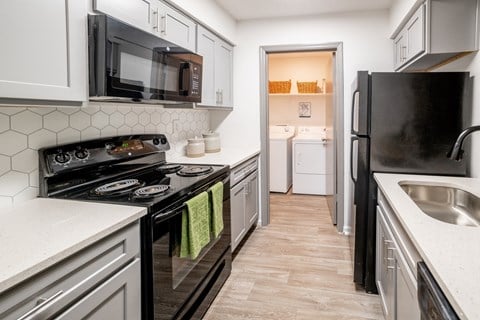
pixel 25 130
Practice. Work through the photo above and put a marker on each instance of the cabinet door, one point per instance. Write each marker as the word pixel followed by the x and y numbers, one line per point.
pixel 251 200
pixel 43 50
pixel 206 48
pixel 237 200
pixel 223 73
pixel 400 50
pixel 415 34
pixel 117 298
pixel 385 267
pixel 175 27
pixel 407 305
pixel 137 13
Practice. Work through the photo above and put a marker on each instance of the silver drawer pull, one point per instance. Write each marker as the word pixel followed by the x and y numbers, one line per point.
pixel 41 307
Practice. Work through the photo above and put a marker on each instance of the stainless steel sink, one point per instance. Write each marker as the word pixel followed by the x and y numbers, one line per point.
pixel 447 204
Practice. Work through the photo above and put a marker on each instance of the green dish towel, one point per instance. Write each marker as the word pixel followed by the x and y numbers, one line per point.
pixel 195 226
pixel 216 192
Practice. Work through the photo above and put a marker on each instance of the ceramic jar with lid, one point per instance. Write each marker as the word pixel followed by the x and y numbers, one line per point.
pixel 195 147
pixel 212 141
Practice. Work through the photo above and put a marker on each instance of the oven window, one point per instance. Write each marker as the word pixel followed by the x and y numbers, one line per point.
pixel 175 278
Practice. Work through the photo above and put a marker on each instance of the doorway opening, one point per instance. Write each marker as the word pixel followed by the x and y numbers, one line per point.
pixel 302 124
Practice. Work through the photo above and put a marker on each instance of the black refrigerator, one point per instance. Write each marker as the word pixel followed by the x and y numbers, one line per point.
pixel 401 123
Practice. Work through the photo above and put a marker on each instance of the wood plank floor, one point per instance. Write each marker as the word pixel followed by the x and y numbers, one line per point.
pixel 296 268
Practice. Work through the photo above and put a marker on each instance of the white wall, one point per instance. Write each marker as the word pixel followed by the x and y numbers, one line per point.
pixel 366 47
pixel 210 14
pixel 471 63
pixel 398 11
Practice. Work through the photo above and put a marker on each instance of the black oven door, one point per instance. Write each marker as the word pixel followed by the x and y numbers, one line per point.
pixel 172 281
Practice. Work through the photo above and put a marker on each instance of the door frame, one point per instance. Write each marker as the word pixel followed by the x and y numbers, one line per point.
pixel 339 183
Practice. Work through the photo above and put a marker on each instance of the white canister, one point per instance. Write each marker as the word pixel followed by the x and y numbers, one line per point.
pixel 195 147
pixel 212 141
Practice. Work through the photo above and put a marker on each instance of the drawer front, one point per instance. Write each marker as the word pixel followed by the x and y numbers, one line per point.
pixel 241 171
pixel 117 298
pixel 403 241
pixel 49 292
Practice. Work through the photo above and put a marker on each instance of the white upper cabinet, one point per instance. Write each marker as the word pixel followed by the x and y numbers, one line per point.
pixel 44 50
pixel 217 83
pixel 134 12
pixel 206 48
pixel 435 31
pixel 173 26
pixel 154 17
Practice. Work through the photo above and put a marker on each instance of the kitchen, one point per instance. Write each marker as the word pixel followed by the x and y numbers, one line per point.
pixel 364 34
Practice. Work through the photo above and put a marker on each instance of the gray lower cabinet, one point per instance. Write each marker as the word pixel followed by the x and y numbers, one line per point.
pixel 244 199
pixel 251 199
pixel 99 282
pixel 395 267
pixel 116 298
pixel 237 198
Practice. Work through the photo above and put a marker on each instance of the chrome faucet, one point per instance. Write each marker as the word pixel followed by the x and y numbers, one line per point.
pixel 456 152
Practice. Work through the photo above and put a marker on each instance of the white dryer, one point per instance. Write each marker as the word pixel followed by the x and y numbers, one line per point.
pixel 312 165
pixel 281 157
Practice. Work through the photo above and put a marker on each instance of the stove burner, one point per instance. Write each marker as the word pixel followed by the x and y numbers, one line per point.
pixel 193 171
pixel 169 168
pixel 117 187
pixel 151 191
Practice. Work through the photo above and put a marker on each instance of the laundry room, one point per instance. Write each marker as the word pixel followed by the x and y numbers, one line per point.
pixel 301 120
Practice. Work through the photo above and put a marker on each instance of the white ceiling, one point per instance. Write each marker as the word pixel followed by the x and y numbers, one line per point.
pixel 258 9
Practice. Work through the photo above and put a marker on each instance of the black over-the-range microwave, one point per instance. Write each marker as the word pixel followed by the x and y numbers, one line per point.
pixel 127 64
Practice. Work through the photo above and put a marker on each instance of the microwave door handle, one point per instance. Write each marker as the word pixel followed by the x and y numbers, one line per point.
pixel 115 52
pixel 352 128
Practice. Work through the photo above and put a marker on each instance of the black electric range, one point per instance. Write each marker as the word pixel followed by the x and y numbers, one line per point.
pixel 132 170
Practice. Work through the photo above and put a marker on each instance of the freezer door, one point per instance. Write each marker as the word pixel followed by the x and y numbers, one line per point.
pixel 360 105
pixel 360 174
pixel 415 119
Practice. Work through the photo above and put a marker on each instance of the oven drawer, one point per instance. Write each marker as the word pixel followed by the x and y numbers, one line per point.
pixel 51 291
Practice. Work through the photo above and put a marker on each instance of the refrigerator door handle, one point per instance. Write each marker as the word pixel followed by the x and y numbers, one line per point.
pixel 353 139
pixel 352 129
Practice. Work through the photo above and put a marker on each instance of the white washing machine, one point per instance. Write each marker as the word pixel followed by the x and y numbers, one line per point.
pixel 281 157
pixel 312 161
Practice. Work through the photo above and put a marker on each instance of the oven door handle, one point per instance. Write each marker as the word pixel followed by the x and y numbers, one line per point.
pixel 160 217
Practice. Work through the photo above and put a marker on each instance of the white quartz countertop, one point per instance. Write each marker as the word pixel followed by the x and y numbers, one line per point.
pixel 41 232
pixel 451 252
pixel 232 156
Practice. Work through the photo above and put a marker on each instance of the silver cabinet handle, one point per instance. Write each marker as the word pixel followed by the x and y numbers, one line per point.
pixel 43 304
pixel 155 19
pixel 164 24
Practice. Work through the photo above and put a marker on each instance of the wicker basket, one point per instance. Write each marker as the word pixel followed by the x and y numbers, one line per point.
pixel 307 87
pixel 279 86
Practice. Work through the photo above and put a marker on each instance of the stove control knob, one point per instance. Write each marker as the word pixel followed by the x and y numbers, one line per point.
pixel 81 154
pixel 155 141
pixel 62 157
